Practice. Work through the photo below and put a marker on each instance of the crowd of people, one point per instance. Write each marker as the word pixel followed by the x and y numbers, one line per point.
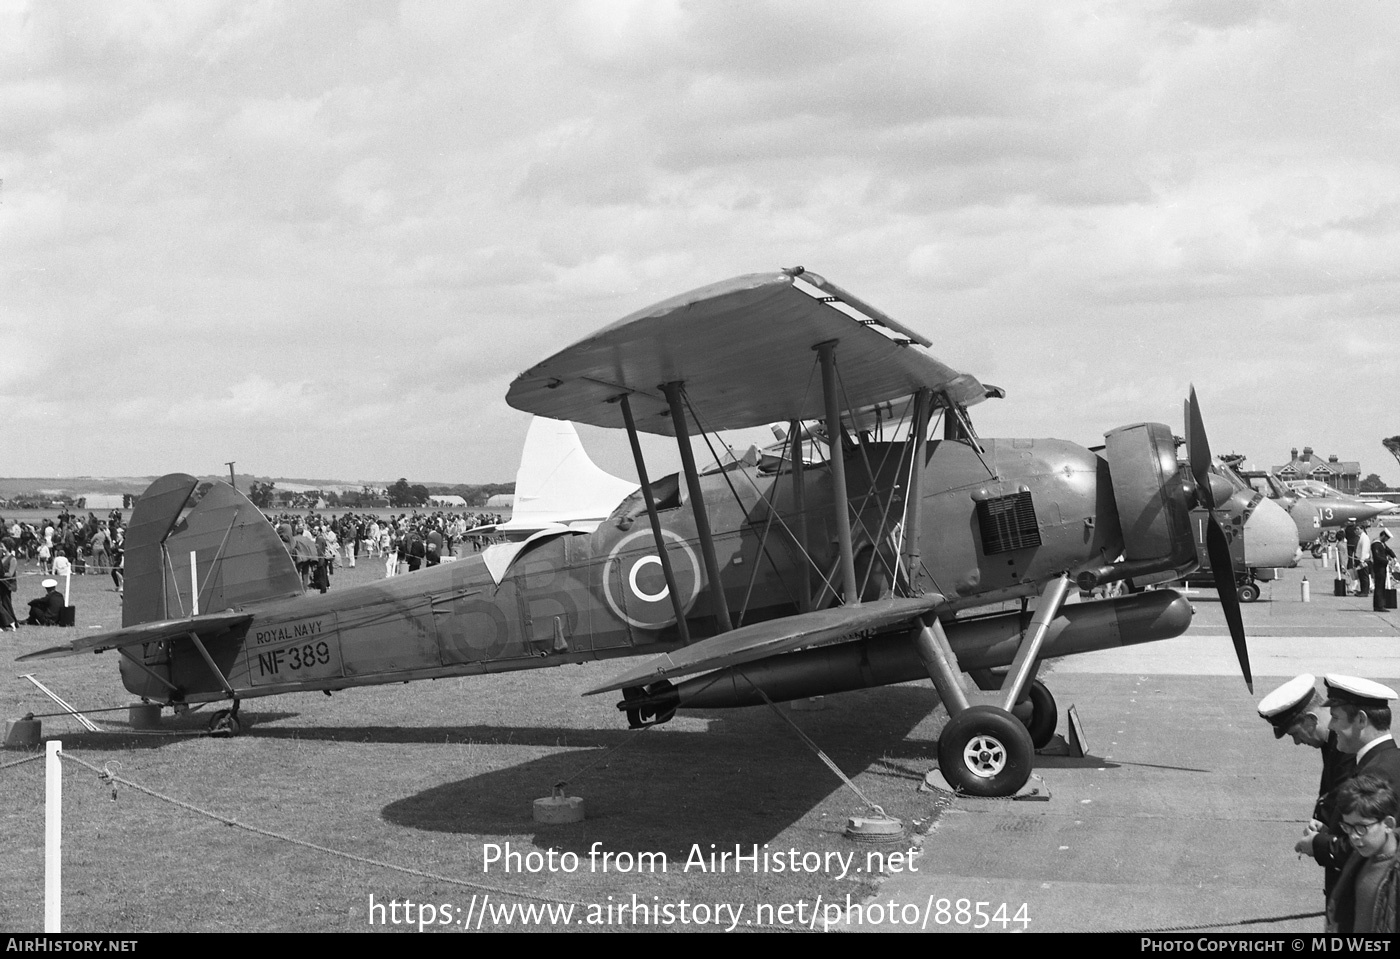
pixel 71 544
pixel 318 544
pixel 1370 562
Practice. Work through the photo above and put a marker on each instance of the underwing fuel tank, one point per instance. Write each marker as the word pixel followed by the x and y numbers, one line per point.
pixel 884 660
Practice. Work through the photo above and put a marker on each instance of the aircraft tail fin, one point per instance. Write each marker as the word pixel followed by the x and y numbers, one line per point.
pixel 238 557
pixel 558 484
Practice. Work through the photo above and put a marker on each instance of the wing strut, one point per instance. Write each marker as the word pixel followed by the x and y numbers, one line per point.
pixel 827 353
pixel 655 520
pixel 941 664
pixel 126 653
pixel 799 504
pixel 209 661
pixel 672 390
pixel 913 491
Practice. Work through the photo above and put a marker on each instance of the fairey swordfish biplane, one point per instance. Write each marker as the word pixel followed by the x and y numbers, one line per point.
pixel 862 551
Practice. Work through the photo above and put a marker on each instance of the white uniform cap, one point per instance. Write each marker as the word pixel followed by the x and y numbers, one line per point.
pixel 49 583
pixel 1284 705
pixel 1354 691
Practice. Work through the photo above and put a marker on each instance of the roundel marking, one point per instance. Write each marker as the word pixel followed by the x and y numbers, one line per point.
pixel 637 590
pixel 634 583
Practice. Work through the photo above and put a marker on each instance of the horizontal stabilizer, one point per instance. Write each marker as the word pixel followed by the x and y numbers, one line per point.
pixel 154 632
pixel 761 640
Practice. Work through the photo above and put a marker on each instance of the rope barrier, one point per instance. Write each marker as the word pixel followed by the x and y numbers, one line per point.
pixel 111 779
pixel 20 762
pixel 108 777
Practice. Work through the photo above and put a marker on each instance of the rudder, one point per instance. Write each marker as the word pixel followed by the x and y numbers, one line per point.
pixel 239 558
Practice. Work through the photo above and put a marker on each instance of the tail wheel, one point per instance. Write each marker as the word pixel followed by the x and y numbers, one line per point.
pixel 985 751
pixel 1045 715
pixel 224 724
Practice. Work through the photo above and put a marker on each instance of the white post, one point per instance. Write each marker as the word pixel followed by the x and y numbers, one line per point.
pixel 53 836
pixel 67 584
pixel 194 586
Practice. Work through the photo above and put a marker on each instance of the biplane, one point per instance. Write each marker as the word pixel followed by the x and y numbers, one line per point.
pixel 883 541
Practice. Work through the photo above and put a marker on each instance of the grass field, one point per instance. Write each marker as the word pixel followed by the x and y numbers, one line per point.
pixel 426 776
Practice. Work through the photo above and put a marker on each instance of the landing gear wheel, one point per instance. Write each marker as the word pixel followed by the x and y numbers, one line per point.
pixel 1248 593
pixel 224 724
pixel 1044 715
pixel 985 751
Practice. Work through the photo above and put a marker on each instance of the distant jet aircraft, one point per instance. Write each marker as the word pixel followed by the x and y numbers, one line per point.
pixel 1316 508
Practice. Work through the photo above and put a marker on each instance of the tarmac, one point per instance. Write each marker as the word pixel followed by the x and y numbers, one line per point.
pixel 1182 815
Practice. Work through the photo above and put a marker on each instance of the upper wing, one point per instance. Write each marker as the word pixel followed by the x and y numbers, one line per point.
pixel 743 348
pixel 761 640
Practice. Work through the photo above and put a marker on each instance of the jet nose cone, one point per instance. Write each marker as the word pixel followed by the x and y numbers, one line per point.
pixel 1270 537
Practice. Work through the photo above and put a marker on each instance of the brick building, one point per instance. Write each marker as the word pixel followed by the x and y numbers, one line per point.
pixel 1342 475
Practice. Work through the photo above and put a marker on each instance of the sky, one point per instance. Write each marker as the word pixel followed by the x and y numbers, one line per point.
pixel 321 238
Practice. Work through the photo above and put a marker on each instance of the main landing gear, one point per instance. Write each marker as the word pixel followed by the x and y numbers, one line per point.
pixel 985 751
pixel 1045 715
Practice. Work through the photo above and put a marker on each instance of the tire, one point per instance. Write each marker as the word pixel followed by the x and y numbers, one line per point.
pixel 1045 715
pixel 985 751
pixel 1248 593
pixel 224 724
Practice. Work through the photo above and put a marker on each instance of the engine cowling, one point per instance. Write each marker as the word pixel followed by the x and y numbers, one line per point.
pixel 1151 504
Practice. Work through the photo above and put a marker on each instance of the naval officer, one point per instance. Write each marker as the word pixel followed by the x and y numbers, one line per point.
pixel 1360 718
pixel 1295 709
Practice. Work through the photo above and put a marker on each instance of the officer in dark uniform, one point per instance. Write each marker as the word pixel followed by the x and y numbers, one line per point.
pixel 1381 555
pixel 47 610
pixel 1295 709
pixel 1360 719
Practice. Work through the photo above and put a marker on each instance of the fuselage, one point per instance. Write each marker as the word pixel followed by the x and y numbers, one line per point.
pixel 1314 507
pixel 997 520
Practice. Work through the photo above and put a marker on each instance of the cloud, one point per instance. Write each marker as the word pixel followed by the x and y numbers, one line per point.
pixel 286 221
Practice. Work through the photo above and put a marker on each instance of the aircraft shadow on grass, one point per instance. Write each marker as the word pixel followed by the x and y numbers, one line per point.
pixel 651 794
pixel 118 736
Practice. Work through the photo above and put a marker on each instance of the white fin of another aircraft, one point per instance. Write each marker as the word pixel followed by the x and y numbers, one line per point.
pixel 557 485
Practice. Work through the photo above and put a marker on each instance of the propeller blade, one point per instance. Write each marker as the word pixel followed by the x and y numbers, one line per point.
pixel 1222 567
pixel 1198 451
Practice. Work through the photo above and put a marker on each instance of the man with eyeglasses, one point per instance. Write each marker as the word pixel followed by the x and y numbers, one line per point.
pixel 1367 896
